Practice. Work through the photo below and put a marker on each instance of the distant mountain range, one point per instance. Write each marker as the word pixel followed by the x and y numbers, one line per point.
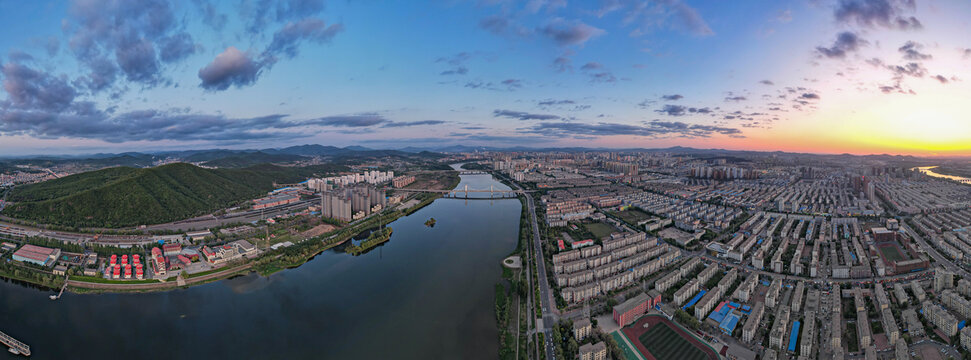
pixel 223 158
pixel 229 158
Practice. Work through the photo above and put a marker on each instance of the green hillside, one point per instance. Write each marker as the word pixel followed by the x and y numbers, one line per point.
pixel 122 196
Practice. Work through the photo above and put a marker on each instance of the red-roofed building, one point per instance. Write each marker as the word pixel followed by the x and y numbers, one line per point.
pixel 582 243
pixel 159 261
pixel 171 249
pixel 37 255
pixel 559 244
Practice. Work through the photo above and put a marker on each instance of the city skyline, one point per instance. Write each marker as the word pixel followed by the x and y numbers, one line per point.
pixel 846 76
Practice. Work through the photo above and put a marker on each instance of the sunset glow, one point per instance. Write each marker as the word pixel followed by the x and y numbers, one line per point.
pixel 833 76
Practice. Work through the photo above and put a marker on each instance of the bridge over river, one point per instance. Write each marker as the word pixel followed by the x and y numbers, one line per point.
pixel 464 193
pixel 16 347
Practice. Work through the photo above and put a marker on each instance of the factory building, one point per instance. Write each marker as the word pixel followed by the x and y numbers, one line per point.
pixel 37 255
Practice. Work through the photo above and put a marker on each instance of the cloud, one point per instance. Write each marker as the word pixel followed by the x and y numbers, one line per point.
pixel 568 105
pixel 355 120
pixel 910 69
pixel 28 88
pixel 286 41
pixel 19 56
pixel 83 120
pixel 591 66
pixel 259 14
pixel 176 47
pixel 551 102
pixel 133 37
pixel 874 13
pixel 940 78
pixel 603 77
pixel 651 129
pixel 456 63
pixel 520 115
pixel 735 98
pixel 563 63
pixel 565 33
pixel 809 96
pixel 504 85
pixel 673 110
pixel 210 16
pixel 461 70
pixel 230 68
pixel 672 97
pixel 502 25
pixel 534 6
pixel 845 42
pixel 512 83
pixel 784 16
pixel 911 51
pixel 646 15
pixel 766 82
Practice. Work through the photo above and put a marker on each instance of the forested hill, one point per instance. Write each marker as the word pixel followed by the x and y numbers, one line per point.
pixel 124 196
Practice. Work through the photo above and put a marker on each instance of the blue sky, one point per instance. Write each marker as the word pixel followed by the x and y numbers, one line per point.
pixel 96 75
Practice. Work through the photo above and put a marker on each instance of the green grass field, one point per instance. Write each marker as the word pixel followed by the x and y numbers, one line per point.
pixel 599 230
pixel 665 343
pixel 891 253
pixel 632 216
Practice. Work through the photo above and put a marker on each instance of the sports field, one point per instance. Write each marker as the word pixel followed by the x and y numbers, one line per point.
pixel 664 343
pixel 891 253
pixel 599 230
pixel 662 340
pixel 632 216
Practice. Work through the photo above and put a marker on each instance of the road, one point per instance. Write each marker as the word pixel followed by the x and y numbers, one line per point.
pixel 940 259
pixel 184 225
pixel 821 279
pixel 544 286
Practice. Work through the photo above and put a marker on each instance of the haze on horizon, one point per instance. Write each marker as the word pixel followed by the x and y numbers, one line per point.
pixel 819 76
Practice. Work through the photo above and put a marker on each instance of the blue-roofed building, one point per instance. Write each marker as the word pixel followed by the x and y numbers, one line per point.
pixel 727 325
pixel 794 336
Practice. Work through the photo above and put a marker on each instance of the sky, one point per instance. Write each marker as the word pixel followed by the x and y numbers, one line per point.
pixel 819 76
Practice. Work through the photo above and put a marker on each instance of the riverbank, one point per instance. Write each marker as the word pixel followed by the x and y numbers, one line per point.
pixel 268 263
pixel 951 172
pixel 425 280
pixel 947 173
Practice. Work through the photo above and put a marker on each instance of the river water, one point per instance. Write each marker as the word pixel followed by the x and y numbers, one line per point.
pixel 929 170
pixel 425 294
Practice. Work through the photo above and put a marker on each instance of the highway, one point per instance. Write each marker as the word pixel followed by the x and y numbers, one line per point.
pixel 544 286
pixel 182 225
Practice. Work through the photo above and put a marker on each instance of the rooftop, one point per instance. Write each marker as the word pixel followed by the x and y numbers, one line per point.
pixel 631 303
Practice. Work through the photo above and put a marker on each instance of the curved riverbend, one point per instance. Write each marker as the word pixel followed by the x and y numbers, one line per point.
pixel 929 170
pixel 426 293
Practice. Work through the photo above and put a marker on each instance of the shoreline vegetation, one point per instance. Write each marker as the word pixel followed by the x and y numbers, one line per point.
pixel 269 262
pixel 376 238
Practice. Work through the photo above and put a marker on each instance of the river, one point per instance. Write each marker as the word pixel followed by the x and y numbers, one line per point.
pixel 425 294
pixel 929 170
